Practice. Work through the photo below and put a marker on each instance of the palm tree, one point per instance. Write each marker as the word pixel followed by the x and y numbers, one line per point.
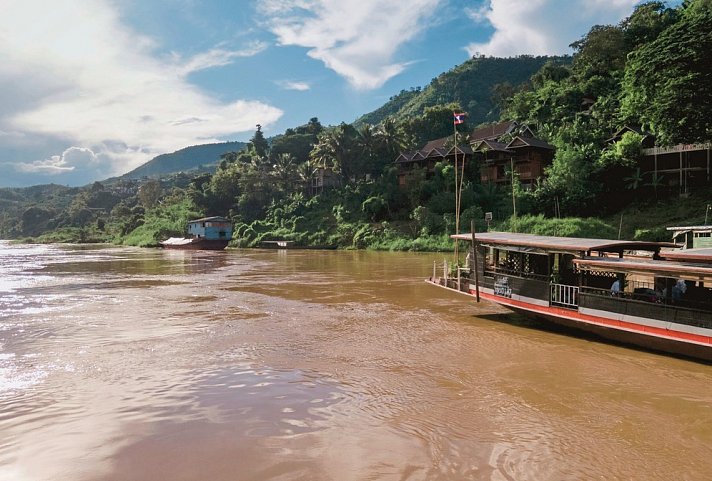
pixel 634 180
pixel 305 173
pixel 367 142
pixel 656 181
pixel 284 171
pixel 392 138
pixel 336 150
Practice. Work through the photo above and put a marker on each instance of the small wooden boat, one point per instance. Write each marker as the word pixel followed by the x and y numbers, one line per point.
pixel 650 294
pixel 208 233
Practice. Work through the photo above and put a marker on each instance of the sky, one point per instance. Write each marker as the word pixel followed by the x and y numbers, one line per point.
pixel 90 89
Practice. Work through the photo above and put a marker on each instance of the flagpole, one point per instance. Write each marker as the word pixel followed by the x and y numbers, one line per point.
pixel 457 201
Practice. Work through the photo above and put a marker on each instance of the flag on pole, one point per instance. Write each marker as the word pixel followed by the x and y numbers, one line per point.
pixel 459 118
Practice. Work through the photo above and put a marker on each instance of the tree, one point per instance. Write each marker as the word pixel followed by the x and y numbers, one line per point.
pixel 259 143
pixel 668 82
pixel 150 193
pixel 284 172
pixel 600 52
pixel 624 153
pixel 434 123
pixel 635 180
pixel 336 149
pixel 646 23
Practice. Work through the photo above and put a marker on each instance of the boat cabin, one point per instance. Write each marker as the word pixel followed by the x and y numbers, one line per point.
pixel 653 281
pixel 210 228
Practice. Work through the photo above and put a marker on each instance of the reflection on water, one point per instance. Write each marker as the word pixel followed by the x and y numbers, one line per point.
pixel 128 364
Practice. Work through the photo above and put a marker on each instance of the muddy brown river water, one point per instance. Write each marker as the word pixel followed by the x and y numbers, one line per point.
pixel 140 364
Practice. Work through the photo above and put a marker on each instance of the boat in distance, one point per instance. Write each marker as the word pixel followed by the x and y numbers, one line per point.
pixel 649 294
pixel 208 233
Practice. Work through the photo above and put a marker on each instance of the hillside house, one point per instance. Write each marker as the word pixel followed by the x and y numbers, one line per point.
pixel 528 156
pixel 433 152
pixel 682 167
pixel 323 178
pixel 498 146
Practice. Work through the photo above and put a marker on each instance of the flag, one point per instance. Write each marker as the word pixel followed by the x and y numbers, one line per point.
pixel 459 118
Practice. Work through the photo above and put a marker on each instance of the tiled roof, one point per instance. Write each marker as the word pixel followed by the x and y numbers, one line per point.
pixel 435 144
pixel 485 145
pixel 519 142
pixel 493 131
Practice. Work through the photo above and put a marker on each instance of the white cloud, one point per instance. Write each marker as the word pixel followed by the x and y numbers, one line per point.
pixel 219 57
pixel 71 159
pixel 357 39
pixel 541 27
pixel 292 85
pixel 72 72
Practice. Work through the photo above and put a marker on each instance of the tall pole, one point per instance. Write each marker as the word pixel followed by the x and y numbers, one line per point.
pixel 476 266
pixel 514 203
pixel 457 204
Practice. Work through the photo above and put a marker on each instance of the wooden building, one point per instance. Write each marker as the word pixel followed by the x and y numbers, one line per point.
pixel 499 147
pixel 525 154
pixel 681 168
pixel 426 158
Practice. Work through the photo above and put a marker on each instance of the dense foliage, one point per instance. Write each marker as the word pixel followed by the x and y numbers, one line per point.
pixel 479 86
pixel 338 185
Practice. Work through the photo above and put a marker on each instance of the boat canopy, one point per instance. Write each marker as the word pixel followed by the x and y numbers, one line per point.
pixel 176 241
pixel 702 254
pixel 659 268
pixel 209 219
pixel 521 242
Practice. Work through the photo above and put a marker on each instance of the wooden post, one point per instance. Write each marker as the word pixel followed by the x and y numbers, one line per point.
pixel 477 270
pixel 434 273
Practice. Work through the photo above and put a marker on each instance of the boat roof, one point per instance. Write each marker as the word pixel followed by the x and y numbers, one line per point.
pixel 176 241
pixel 690 227
pixel 566 244
pixel 214 218
pixel 660 268
pixel 701 254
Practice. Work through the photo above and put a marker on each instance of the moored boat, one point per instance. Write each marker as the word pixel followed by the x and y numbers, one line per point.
pixel 649 294
pixel 208 233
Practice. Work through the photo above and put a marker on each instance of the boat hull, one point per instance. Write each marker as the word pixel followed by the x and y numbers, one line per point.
pixel 682 341
pixel 196 244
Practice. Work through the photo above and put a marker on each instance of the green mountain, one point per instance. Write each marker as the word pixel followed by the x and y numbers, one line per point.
pixel 478 85
pixel 196 157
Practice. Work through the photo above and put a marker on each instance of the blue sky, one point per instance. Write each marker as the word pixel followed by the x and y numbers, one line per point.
pixel 93 89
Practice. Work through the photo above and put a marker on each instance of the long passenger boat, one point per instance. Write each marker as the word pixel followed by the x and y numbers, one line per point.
pixel 649 294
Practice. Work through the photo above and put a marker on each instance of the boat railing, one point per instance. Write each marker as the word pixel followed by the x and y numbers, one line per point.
pixel 647 295
pixel 490 271
pixel 564 295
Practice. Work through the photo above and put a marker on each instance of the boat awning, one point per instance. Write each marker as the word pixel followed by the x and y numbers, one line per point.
pixel 176 241
pixel 517 241
pixel 702 255
pixel 659 268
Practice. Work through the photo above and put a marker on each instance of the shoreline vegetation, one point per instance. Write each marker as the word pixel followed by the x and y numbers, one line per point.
pixel 646 222
pixel 339 186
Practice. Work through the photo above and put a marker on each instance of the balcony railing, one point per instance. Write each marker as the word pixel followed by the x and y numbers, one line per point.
pixel 563 295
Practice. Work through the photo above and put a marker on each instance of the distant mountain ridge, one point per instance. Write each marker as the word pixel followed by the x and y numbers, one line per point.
pixel 472 84
pixel 189 158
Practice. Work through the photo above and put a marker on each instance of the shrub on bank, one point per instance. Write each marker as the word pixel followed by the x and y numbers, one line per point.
pixel 565 227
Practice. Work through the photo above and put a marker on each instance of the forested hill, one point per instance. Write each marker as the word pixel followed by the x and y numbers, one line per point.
pixel 479 86
pixel 189 158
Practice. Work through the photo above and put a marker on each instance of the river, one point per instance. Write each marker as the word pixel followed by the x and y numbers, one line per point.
pixel 143 364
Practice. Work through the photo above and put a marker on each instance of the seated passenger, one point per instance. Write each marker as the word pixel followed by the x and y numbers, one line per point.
pixel 616 288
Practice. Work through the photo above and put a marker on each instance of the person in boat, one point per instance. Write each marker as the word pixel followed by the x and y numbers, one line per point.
pixel 616 288
pixel 678 290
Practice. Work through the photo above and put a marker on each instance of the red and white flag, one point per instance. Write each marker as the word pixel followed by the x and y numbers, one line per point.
pixel 459 118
